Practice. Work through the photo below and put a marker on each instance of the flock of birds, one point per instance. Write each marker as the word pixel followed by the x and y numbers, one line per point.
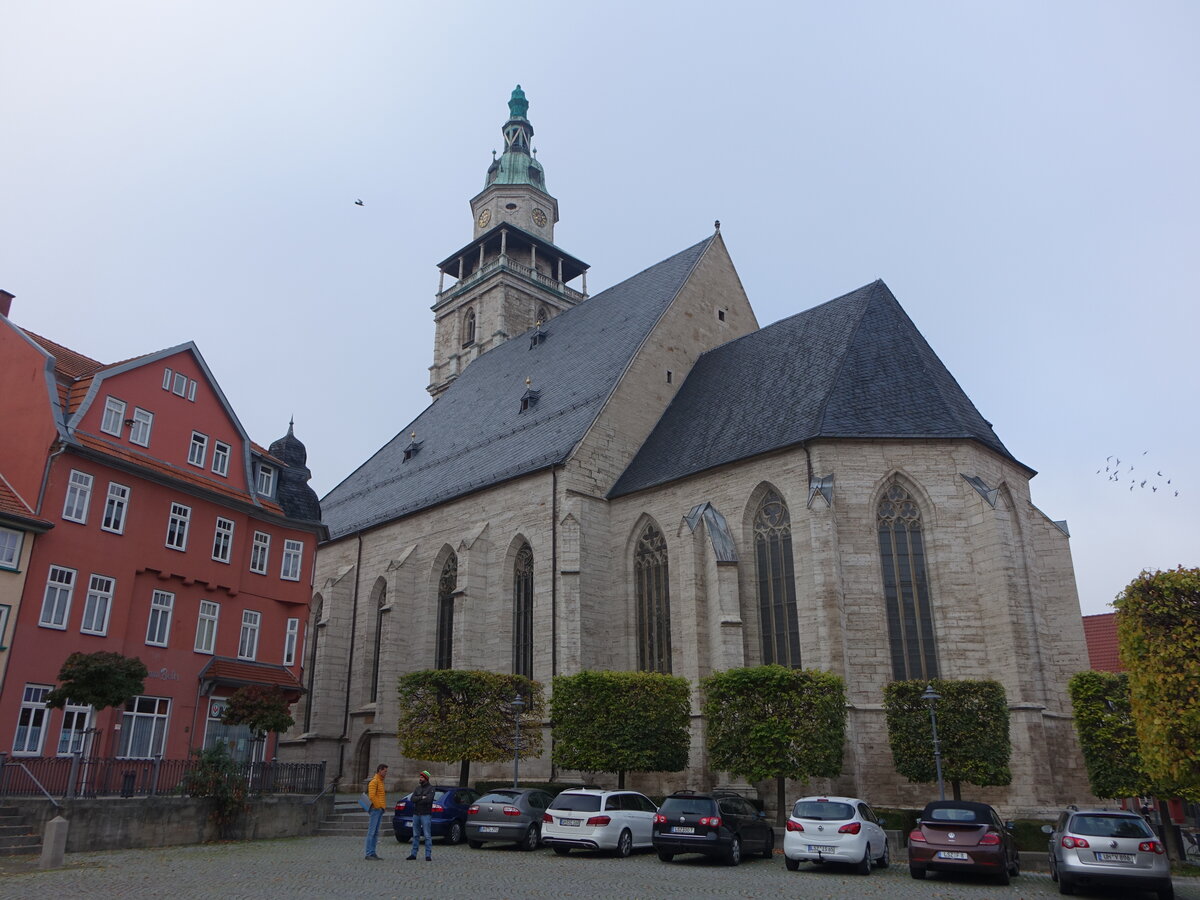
pixel 1121 473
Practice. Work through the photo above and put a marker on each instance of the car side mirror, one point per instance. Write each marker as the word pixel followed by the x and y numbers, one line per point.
pixel 762 814
pixel 1009 826
pixel 882 823
pixel 1048 829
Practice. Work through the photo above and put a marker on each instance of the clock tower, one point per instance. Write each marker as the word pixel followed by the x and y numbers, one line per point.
pixel 511 275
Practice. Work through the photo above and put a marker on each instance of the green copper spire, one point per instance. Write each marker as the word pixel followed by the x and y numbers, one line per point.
pixel 517 165
pixel 517 104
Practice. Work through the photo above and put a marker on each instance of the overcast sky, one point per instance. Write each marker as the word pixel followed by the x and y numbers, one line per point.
pixel 1023 175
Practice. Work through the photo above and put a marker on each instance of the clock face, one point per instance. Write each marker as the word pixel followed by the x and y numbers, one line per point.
pixel 484 217
pixel 539 218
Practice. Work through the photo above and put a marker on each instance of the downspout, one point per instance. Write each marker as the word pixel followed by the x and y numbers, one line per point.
pixel 553 599
pixel 350 659
pixel 46 472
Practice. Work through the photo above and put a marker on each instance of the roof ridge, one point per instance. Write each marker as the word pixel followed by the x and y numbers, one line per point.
pixel 12 490
pixel 819 419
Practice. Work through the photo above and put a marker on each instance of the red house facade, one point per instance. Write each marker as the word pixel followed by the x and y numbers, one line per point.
pixel 174 538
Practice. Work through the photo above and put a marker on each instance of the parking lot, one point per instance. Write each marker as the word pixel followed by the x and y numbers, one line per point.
pixel 334 867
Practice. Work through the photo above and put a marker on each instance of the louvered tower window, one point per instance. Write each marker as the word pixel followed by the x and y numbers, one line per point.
pixel 776 583
pixel 906 587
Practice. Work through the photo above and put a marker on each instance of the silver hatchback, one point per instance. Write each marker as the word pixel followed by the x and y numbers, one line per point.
pixel 1105 847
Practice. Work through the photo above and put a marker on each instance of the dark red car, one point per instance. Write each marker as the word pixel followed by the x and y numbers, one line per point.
pixel 962 836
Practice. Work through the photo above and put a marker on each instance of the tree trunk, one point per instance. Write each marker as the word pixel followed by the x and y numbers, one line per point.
pixel 464 772
pixel 957 786
pixel 621 780
pixel 781 802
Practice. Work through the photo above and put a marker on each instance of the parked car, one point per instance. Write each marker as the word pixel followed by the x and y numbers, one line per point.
pixel 449 818
pixel 835 830
pixel 620 821
pixel 513 815
pixel 962 836
pixel 718 824
pixel 1103 848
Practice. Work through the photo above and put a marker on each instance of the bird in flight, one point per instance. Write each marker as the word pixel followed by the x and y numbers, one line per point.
pixel 359 203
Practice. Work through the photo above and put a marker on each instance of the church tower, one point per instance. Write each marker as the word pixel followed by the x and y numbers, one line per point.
pixel 511 275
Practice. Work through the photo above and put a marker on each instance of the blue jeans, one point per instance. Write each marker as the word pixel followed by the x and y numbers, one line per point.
pixel 423 825
pixel 373 832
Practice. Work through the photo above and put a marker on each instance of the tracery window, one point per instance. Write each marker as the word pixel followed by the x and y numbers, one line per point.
pixel 469 328
pixel 777 617
pixel 310 635
pixel 906 586
pixel 653 602
pixel 522 654
pixel 379 608
pixel 447 584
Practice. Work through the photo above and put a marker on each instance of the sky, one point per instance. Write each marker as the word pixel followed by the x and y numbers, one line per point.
pixel 1022 175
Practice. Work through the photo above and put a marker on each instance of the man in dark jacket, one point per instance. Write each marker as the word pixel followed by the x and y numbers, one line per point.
pixel 422 807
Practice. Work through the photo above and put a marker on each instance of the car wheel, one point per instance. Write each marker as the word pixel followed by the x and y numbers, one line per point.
pixel 474 845
pixel 769 849
pixel 562 851
pixel 532 838
pixel 665 856
pixel 1053 868
pixel 455 834
pixel 793 865
pixel 624 844
pixel 886 859
pixel 1004 876
pixel 917 872
pixel 735 851
pixel 1166 893
pixel 1016 865
pixel 1065 884
pixel 864 867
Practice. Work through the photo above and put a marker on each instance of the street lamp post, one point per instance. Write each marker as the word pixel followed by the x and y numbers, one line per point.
pixel 517 704
pixel 932 697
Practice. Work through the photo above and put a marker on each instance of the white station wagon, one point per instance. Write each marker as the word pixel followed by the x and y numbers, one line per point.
pixel 620 821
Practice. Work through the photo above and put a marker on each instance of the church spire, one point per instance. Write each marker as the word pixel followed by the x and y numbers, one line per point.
pixel 518 164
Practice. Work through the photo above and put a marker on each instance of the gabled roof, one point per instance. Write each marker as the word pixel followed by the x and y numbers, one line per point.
pixel 14 510
pixel 854 367
pixel 1104 650
pixel 237 673
pixel 474 435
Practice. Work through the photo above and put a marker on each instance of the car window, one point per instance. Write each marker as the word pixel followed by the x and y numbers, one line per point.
pixel 498 797
pixel 687 806
pixel 1111 826
pixel 865 812
pixel 953 815
pixel 822 811
pixel 538 800
pixel 646 803
pixel 438 796
pixel 613 802
pixel 577 802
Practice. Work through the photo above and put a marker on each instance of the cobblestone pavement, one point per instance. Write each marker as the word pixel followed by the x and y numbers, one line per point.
pixel 333 867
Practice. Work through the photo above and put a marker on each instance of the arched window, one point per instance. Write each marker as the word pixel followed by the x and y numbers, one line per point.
pixel 542 315
pixel 379 606
pixel 447 584
pixel 469 328
pixel 776 583
pixel 310 635
pixel 653 602
pixel 905 586
pixel 522 652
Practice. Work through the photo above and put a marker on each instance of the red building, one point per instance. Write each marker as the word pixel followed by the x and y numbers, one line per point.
pixel 1100 631
pixel 173 538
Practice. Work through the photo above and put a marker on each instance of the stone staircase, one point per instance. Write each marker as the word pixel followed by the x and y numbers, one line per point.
pixel 349 819
pixel 16 835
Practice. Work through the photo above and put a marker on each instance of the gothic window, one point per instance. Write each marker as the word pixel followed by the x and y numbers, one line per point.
pixel 379 607
pixel 447 584
pixel 778 625
pixel 653 602
pixel 469 328
pixel 522 653
pixel 310 634
pixel 542 315
pixel 906 587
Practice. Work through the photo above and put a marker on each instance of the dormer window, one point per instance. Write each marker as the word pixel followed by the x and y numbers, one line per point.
pixel 413 448
pixel 530 398
pixel 469 328
pixel 114 416
pixel 266 480
pixel 538 335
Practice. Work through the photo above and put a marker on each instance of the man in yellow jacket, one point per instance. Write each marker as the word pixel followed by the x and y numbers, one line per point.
pixel 378 795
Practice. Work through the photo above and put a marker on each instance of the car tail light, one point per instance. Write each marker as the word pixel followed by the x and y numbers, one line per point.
pixel 850 828
pixel 401 806
pixel 472 810
pixel 511 811
pixel 915 835
pixel 989 840
pixel 711 821
pixel 546 817
pixel 599 820
pixel 660 819
pixel 794 826
pixel 1152 847
pixel 437 807
pixel 1074 843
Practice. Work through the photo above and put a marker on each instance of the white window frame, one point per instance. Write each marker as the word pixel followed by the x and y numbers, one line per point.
pixel 56 602
pixel 116 504
pixel 114 416
pixel 248 638
pixel 291 639
pixel 177 526
pixel 220 458
pixel 167 375
pixel 265 483
pixel 198 449
pixel 260 553
pixel 206 627
pixel 223 540
pixel 158 625
pixel 142 713
pixel 143 424
pixel 97 607
pixel 293 560
pixel 191 390
pixel 72 735
pixel 79 497
pixel 5 612
pixel 179 385
pixel 10 548
pixel 31 721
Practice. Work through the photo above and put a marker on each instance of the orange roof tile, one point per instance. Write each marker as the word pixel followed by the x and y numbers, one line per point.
pixel 13 505
pixel 66 360
pixel 238 672
pixel 1100 632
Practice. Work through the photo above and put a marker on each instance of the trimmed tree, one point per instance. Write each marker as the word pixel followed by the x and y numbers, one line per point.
pixel 972 725
pixel 1158 626
pixel 1107 735
pixel 775 722
pixel 98 680
pixel 460 715
pixel 262 708
pixel 621 722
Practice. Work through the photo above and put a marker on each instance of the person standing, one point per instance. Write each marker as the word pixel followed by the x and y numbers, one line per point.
pixel 422 804
pixel 378 795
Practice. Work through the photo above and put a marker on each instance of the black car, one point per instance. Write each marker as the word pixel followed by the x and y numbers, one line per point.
pixel 718 824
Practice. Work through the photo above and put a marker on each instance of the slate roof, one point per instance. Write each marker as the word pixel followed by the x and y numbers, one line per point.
pixel 474 434
pixel 854 367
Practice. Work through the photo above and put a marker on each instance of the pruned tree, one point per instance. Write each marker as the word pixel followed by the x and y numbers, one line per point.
pixel 775 722
pixel 99 680
pixel 621 722
pixel 263 709
pixel 972 725
pixel 1107 735
pixel 460 715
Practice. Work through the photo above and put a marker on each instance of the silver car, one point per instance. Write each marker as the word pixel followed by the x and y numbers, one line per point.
pixel 1107 848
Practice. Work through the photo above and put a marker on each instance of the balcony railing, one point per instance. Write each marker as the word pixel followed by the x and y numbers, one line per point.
pixel 511 265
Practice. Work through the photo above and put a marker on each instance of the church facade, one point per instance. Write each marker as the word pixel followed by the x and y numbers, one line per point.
pixel 647 479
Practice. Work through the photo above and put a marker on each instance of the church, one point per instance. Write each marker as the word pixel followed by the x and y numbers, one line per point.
pixel 647 479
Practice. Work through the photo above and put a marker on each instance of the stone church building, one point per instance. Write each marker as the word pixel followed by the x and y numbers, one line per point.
pixel 649 479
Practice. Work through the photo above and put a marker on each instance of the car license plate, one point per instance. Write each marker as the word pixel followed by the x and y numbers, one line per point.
pixel 569 821
pixel 682 829
pixel 489 829
pixel 1115 857
pixel 821 848
pixel 951 854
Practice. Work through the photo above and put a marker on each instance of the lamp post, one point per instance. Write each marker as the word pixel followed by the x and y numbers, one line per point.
pixel 517 704
pixel 932 697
